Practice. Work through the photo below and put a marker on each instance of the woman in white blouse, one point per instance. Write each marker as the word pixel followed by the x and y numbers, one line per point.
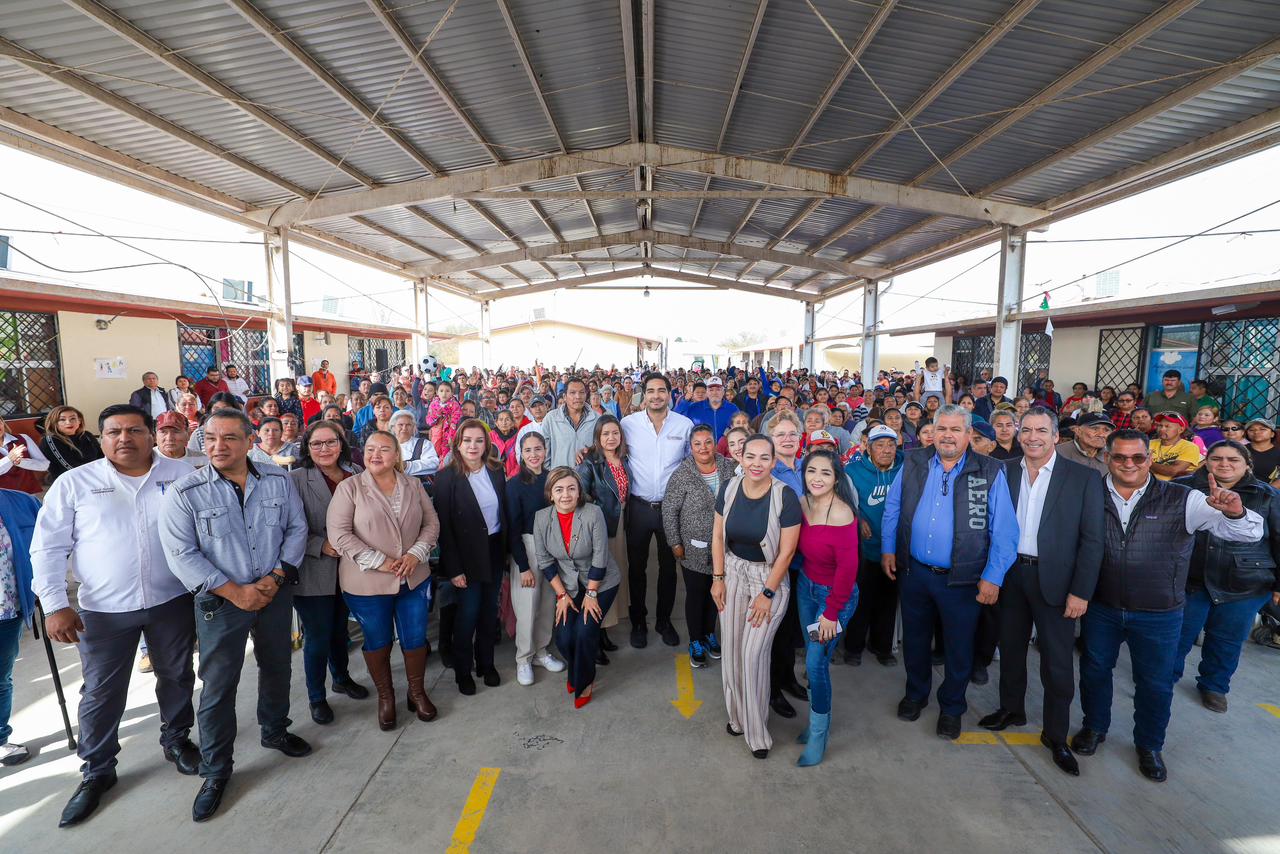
pixel 419 455
pixel 22 465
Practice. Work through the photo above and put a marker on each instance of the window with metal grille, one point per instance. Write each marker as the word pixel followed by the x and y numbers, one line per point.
pixel 1241 361
pixel 1033 355
pixel 1120 356
pixel 376 354
pixel 204 347
pixel 971 355
pixel 30 370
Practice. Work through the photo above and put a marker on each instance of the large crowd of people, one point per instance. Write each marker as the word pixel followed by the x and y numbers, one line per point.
pixel 803 510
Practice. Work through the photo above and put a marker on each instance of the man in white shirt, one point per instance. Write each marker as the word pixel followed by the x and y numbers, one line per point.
pixel 1060 527
pixel 237 384
pixel 657 441
pixel 104 516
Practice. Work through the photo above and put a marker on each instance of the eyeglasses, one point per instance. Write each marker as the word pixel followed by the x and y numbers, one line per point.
pixel 1135 459
pixel 326 445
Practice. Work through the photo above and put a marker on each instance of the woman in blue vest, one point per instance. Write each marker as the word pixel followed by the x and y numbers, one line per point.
pixel 17 603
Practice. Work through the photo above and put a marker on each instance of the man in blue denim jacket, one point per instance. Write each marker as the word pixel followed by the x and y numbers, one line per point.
pixel 234 532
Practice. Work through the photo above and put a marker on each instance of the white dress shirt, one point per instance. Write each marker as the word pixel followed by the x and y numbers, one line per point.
pixel 482 488
pixel 1199 515
pixel 426 464
pixel 655 454
pixel 108 524
pixel 159 402
pixel 239 387
pixel 1031 506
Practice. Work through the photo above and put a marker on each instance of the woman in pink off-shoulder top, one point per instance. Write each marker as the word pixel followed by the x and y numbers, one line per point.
pixel 826 595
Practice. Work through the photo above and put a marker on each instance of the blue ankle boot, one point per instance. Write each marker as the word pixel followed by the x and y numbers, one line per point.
pixel 816 745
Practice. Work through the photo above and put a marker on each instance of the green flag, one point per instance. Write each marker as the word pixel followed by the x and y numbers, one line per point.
pixel 1044 303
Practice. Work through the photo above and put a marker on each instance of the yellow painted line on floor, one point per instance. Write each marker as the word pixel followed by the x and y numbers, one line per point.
pixel 977 738
pixel 1020 738
pixel 1267 707
pixel 464 832
pixel 685 702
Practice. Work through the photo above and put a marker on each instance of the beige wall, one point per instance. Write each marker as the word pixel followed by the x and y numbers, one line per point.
pixel 942 348
pixel 335 351
pixel 146 344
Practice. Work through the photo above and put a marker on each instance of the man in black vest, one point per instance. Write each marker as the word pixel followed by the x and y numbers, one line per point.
pixel 1150 533
pixel 1060 528
pixel 950 529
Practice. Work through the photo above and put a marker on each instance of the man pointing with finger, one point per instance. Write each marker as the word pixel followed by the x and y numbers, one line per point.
pixel 235 533
pixel 950 531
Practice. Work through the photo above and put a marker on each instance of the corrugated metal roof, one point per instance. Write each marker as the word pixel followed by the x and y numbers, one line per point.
pixel 576 53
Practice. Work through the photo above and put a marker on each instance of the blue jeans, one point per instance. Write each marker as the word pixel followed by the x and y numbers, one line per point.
pixel 10 635
pixel 1225 628
pixel 925 596
pixel 406 609
pixel 1153 645
pixel 324 641
pixel 811 601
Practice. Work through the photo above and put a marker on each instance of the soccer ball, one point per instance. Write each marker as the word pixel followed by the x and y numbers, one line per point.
pixel 430 365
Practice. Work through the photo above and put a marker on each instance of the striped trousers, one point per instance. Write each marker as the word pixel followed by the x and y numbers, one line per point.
pixel 745 665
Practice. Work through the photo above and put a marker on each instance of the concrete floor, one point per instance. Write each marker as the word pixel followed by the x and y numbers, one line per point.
pixel 629 773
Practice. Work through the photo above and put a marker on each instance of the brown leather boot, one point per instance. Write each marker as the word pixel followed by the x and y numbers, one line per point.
pixel 415 666
pixel 379 664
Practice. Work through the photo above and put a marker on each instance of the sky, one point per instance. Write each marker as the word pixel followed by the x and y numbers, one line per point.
pixel 959 288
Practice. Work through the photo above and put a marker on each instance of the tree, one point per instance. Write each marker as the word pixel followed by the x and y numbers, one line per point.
pixel 742 340
pixel 447 351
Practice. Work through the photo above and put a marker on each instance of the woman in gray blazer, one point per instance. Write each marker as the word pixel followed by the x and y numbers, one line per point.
pixel 571 547
pixel 325 462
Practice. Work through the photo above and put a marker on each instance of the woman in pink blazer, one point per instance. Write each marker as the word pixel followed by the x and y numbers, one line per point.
pixel 383 526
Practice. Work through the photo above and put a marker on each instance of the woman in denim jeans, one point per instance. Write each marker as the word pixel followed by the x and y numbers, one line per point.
pixel 826 596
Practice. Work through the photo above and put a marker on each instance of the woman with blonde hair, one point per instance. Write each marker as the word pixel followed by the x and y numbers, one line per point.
pixel 383 526
pixel 66 443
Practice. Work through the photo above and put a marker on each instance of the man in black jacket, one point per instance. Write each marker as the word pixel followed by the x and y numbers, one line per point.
pixel 151 398
pixel 1150 533
pixel 1060 524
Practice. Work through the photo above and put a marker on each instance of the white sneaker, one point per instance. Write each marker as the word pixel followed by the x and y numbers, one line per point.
pixel 549 661
pixel 524 674
pixel 13 754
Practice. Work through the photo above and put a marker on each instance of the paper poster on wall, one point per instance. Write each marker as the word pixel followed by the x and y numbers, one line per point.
pixel 114 368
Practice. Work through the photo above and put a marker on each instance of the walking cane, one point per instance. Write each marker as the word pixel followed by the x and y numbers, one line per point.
pixel 53 671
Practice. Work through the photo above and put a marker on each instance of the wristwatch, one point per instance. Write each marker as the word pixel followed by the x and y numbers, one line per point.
pixel 768 594
pixel 593 594
pixel 277 577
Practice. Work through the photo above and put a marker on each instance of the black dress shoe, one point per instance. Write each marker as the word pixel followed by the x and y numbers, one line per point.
pixel 288 744
pixel 1062 756
pixel 1086 742
pixel 909 710
pixel 466 685
pixel 321 713
pixel 669 634
pixel 605 643
pixel 948 727
pixel 208 799
pixel 887 660
pixel 639 636
pixel 1151 765
pixel 1002 719
pixel 937 659
pixel 601 658
pixel 796 690
pixel 762 753
pixel 779 704
pixel 853 659
pixel 446 658
pixel 185 755
pixel 351 688
pixel 979 676
pixel 733 732
pixel 85 800
pixel 491 678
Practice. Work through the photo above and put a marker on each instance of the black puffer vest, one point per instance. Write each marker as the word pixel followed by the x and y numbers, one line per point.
pixel 1144 566
pixel 969 489
pixel 1229 571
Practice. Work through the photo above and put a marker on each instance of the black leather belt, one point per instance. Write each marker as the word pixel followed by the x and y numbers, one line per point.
pixel 1028 559
pixel 656 505
pixel 936 570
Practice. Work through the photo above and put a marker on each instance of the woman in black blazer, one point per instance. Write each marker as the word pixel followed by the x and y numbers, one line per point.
pixel 470 499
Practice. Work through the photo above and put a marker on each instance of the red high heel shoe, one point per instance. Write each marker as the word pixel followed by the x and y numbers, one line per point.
pixel 568 685
pixel 579 702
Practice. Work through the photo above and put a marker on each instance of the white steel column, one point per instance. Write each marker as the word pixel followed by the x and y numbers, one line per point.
pixel 1013 249
pixel 484 334
pixel 806 352
pixel 280 298
pixel 870 325
pixel 422 322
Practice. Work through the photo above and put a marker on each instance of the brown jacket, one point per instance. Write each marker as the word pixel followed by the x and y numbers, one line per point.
pixel 360 518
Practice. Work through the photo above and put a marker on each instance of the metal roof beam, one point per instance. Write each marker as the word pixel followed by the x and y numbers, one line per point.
pixel 174 60
pixel 627 20
pixel 638 236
